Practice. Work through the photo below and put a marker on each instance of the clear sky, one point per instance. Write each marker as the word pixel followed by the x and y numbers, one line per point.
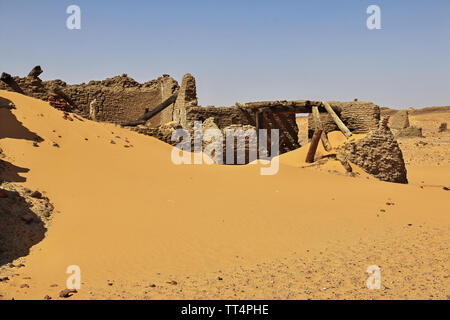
pixel 241 50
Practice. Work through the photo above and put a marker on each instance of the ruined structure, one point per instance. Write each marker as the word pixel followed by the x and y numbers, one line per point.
pixel 378 154
pixel 358 116
pixel 160 106
pixel 400 125
pixel 399 120
pixel 116 99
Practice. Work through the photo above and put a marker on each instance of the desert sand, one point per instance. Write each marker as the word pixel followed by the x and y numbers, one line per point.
pixel 140 227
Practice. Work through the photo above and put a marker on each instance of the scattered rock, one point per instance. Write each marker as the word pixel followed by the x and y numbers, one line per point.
pixel 112 142
pixel 219 278
pixel 67 293
pixel 47 297
pixel 421 143
pixel 55 145
pixel 35 144
pixel 443 127
pixel 445 188
pixel 4 279
pixel 3 194
pixel 66 116
pixel 53 285
pixel 23 286
pixel 174 283
pixel 36 194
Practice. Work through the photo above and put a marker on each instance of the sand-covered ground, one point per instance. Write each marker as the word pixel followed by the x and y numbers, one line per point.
pixel 141 227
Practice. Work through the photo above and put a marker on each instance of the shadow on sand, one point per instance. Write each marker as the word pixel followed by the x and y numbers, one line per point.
pixel 20 227
pixel 12 128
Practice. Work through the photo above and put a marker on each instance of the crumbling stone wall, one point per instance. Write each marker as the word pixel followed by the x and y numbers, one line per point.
pixel 186 112
pixel 399 120
pixel 229 116
pixel 187 97
pixel 378 154
pixel 117 99
pixel 358 116
pixel 400 126
pixel 168 86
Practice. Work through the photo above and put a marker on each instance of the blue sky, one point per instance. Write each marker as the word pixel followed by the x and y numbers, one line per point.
pixel 242 50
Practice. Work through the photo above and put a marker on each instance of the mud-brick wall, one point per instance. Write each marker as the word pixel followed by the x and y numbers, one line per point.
pixel 117 99
pixel 33 87
pixel 114 105
pixel 378 154
pixel 358 116
pixel 227 116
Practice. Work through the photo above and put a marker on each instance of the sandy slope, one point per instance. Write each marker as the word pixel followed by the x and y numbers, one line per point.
pixel 130 218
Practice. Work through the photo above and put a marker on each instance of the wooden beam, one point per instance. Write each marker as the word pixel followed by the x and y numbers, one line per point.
pixel 287 126
pixel 336 119
pixel 319 126
pixel 313 146
pixel 60 93
pixel 298 106
pixel 148 115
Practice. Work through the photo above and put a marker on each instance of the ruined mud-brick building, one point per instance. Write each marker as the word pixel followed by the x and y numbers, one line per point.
pixel 161 105
pixel 114 99
pixel 359 117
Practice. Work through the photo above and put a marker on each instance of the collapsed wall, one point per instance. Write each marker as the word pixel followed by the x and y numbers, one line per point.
pixel 121 99
pixel 399 120
pixel 358 116
pixel 378 154
pixel 400 125
pixel 185 112
pixel 115 99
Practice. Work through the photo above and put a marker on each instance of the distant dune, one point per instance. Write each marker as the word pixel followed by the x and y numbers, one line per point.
pixel 414 111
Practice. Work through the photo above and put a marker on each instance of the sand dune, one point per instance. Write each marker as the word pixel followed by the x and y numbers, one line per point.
pixel 130 218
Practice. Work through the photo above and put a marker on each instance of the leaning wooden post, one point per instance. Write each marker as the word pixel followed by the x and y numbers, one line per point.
pixel 147 116
pixel 319 126
pixel 313 146
pixel 336 119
